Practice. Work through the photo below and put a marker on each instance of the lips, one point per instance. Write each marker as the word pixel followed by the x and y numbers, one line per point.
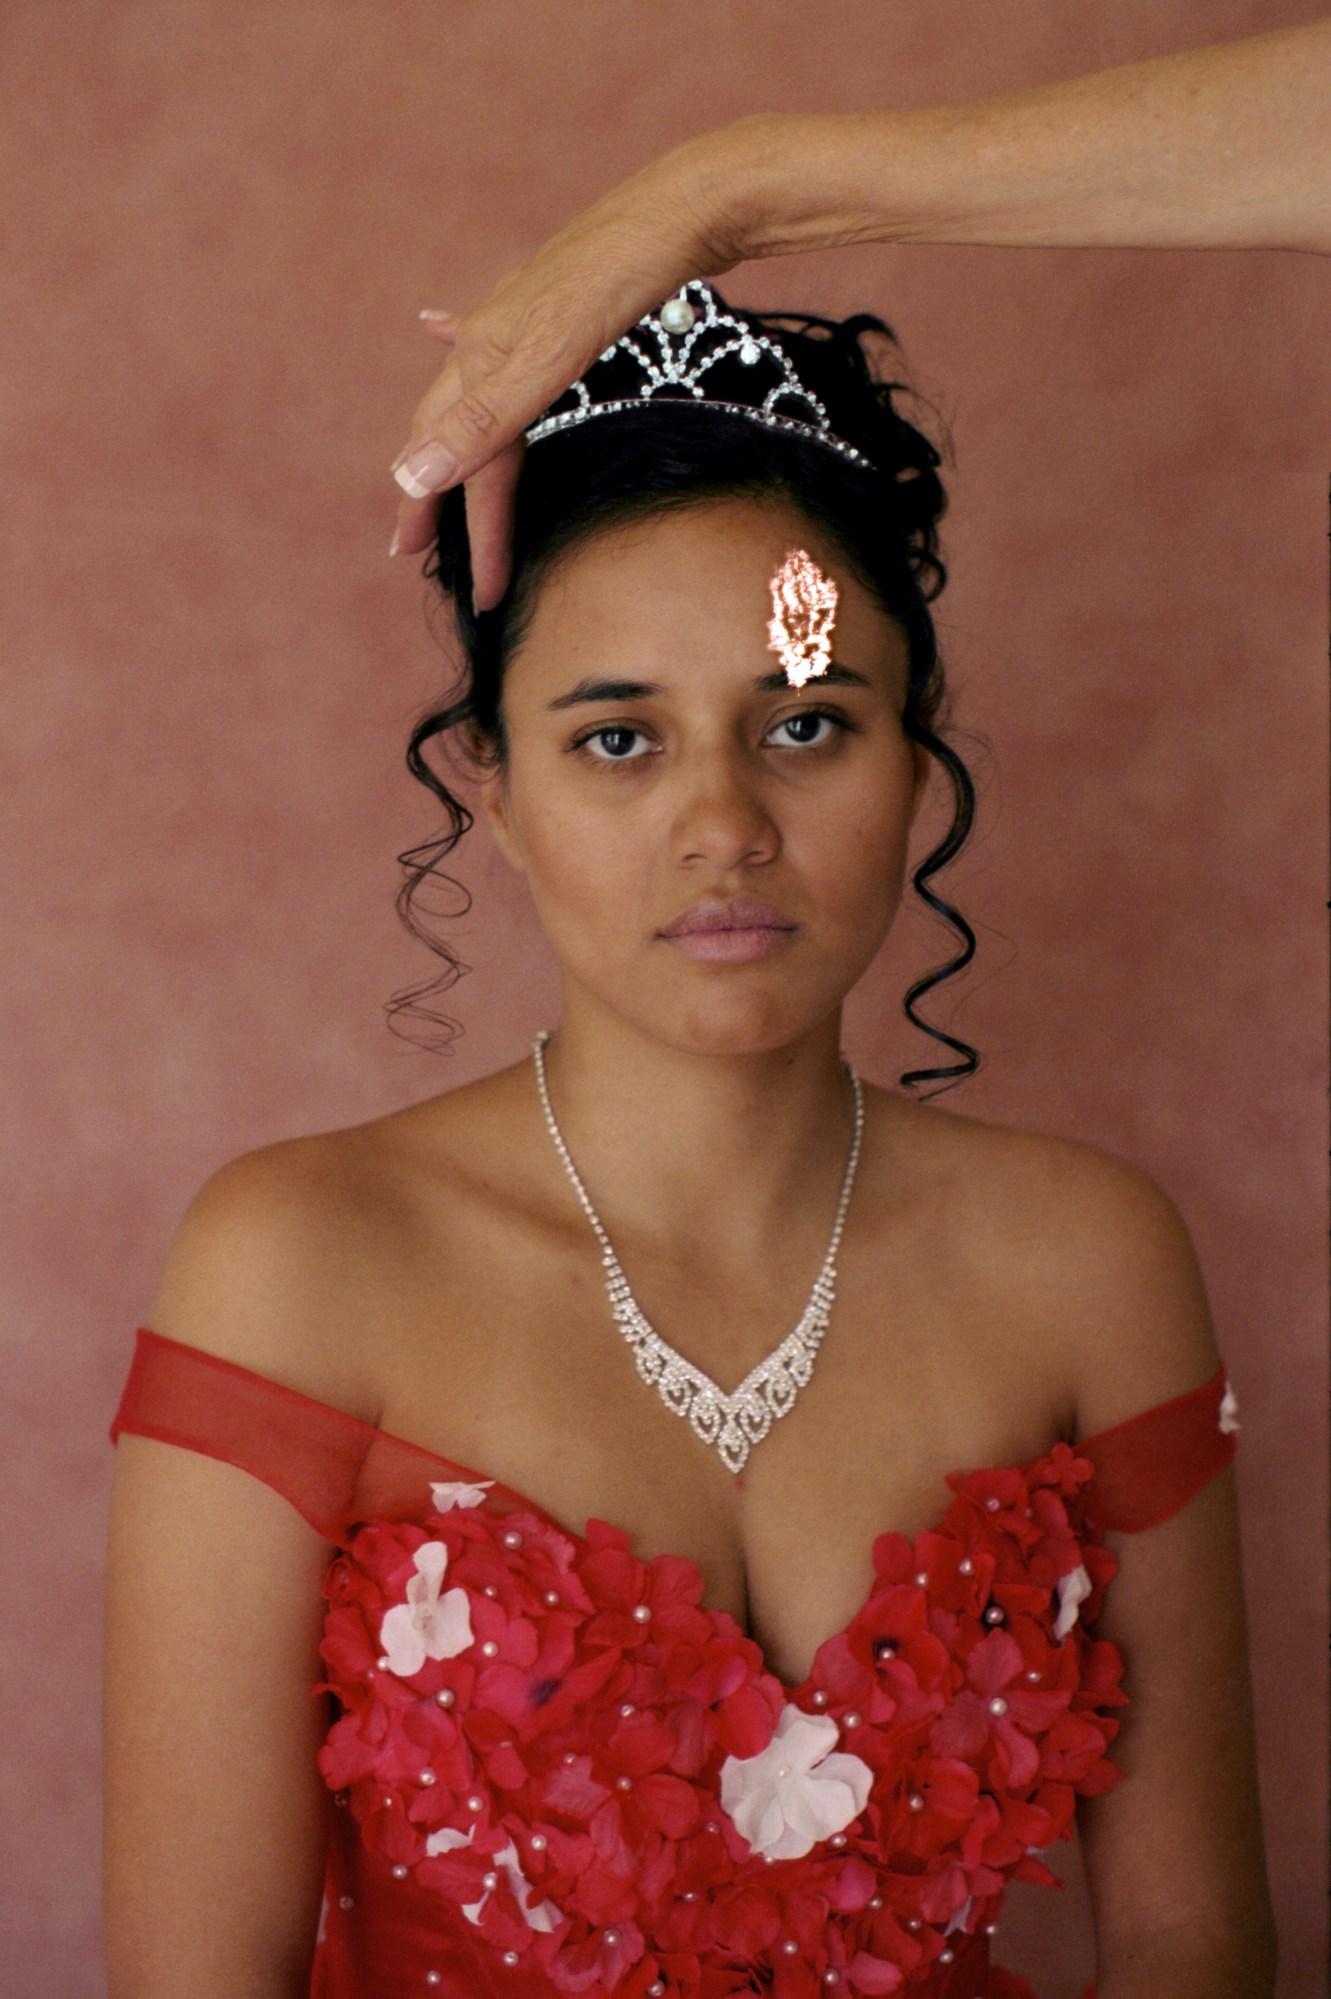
pixel 740 913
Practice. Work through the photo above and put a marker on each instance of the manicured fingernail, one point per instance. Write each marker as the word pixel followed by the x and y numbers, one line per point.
pixel 395 543
pixel 426 470
pixel 429 312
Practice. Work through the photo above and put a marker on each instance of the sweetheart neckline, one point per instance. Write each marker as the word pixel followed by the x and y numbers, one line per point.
pixel 790 1689
pixel 468 1474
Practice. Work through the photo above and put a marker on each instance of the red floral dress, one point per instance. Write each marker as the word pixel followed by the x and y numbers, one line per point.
pixel 558 1770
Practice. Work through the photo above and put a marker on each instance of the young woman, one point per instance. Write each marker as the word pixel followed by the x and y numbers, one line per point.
pixel 656 1647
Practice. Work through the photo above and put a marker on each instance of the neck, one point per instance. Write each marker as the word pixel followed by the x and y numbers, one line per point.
pixel 727 1153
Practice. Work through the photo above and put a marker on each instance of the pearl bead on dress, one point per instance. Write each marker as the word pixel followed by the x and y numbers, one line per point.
pixel 512 1538
pixel 641 1612
pixel 538 1842
pixel 445 1697
pixel 998 1705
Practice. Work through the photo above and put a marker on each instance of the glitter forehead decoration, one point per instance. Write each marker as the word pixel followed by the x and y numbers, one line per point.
pixel 694 351
pixel 804 600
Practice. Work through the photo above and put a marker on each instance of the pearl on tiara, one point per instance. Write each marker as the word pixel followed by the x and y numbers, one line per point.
pixel 674 349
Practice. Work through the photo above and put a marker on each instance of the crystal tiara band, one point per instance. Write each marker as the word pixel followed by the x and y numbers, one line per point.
pixel 684 334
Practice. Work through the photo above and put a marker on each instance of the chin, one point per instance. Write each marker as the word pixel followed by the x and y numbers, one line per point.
pixel 751 1024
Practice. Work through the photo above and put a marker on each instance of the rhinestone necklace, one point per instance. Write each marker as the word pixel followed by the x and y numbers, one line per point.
pixel 732 1423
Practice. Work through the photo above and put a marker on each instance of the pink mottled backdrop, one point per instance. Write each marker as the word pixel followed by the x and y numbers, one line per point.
pixel 221 223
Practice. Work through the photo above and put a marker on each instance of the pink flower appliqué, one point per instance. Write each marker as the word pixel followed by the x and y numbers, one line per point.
pixel 426 1626
pixel 796 1791
pixel 544 1916
pixel 1073 1590
pixel 448 1493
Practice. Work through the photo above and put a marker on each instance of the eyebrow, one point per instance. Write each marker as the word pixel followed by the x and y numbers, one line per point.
pixel 643 690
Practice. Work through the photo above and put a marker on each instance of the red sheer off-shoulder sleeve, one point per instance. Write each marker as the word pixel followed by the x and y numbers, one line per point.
pixel 309 1453
pixel 1147 1468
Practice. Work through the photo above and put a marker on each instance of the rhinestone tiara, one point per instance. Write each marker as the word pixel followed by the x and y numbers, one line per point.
pixel 671 351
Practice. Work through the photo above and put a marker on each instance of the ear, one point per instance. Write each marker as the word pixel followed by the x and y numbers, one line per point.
pixel 493 802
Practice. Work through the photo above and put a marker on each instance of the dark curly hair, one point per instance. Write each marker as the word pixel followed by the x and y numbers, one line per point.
pixel 595 475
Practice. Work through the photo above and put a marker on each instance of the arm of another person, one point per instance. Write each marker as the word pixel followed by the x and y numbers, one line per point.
pixel 1227 146
pixel 216 1817
pixel 1224 147
pixel 1174 1852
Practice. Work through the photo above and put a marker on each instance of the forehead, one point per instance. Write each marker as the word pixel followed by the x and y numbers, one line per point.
pixel 692 585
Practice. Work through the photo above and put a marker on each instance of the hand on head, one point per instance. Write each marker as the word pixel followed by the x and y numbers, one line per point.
pixel 540 327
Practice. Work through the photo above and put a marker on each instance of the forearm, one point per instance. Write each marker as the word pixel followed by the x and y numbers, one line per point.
pixel 1227 146
pixel 1201 1967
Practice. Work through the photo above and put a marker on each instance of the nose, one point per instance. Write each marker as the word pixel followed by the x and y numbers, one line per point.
pixel 721 817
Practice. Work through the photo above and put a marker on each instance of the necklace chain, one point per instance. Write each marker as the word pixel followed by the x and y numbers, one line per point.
pixel 734 1423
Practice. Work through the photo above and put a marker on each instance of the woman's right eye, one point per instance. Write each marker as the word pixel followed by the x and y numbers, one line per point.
pixel 615 735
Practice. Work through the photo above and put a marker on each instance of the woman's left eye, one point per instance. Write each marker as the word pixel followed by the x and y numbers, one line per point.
pixel 812 715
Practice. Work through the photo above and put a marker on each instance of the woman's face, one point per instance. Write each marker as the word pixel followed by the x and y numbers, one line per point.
pixel 658 757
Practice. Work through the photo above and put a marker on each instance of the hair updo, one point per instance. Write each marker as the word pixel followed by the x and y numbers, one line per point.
pixel 634 465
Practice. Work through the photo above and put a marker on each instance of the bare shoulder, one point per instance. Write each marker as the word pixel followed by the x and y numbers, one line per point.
pixel 1091 1249
pixel 292 1259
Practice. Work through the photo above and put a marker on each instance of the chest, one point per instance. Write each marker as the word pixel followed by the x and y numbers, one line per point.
pixel 500 1350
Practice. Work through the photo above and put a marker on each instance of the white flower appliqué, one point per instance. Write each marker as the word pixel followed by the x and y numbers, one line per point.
pixel 798 1790
pixel 426 1626
pixel 1073 1590
pixel 543 1917
pixel 1229 1410
pixel 448 1493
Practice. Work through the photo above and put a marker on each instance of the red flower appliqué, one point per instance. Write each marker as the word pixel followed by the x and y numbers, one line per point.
pixel 560 1776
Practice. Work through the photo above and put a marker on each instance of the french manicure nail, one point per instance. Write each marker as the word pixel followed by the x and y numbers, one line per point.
pixel 395 543
pixel 427 470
